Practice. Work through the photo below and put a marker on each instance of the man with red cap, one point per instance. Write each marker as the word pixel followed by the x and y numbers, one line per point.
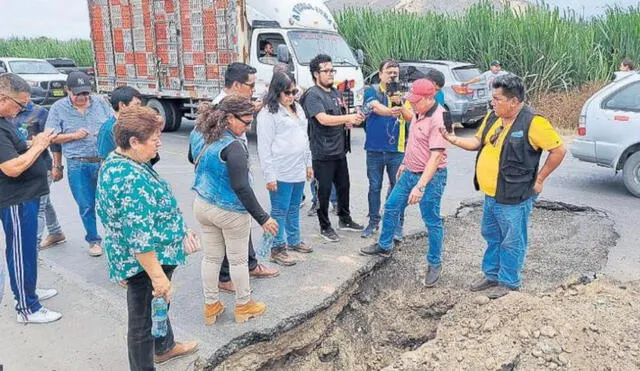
pixel 421 179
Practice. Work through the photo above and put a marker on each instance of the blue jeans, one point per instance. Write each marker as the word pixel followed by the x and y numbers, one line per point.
pixel 504 227
pixel 285 209
pixel 83 180
pixel 376 164
pixel 429 208
pixel 314 192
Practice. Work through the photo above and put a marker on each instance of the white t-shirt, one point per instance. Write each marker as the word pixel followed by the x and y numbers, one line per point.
pixel 489 77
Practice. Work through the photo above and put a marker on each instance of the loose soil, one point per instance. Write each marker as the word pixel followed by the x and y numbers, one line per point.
pixel 563 317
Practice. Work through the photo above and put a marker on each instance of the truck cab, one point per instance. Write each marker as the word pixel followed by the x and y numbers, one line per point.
pixel 298 31
pixel 47 83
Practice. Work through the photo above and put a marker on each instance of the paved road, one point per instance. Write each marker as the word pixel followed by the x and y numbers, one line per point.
pixel 92 333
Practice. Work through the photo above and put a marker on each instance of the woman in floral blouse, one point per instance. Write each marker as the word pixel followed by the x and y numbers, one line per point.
pixel 145 232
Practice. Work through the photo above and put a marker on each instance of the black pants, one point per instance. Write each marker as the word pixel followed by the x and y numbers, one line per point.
pixel 141 345
pixel 225 275
pixel 327 173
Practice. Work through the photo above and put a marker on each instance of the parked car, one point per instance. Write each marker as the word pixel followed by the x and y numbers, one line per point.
pixel 609 130
pixel 47 83
pixel 68 65
pixel 467 104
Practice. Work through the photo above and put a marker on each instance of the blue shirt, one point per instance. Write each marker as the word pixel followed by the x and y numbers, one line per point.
pixel 439 97
pixel 64 118
pixel 107 138
pixel 383 133
pixel 33 120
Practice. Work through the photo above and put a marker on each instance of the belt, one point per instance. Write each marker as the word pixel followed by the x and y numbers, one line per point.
pixel 87 159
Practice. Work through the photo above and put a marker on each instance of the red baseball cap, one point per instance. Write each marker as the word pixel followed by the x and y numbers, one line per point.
pixel 421 88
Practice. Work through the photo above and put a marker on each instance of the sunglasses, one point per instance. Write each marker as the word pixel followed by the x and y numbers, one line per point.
pixel 290 92
pixel 243 121
pixel 22 106
pixel 494 138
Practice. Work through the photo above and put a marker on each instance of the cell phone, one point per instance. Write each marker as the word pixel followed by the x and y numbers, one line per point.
pixel 448 122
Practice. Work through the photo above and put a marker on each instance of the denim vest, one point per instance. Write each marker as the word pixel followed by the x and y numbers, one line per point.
pixel 212 182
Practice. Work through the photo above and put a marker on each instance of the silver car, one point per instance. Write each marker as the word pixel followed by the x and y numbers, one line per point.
pixel 467 104
pixel 609 130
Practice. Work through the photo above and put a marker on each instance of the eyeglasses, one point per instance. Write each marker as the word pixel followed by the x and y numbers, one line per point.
pixel 290 92
pixel 243 121
pixel 330 71
pixel 494 138
pixel 22 105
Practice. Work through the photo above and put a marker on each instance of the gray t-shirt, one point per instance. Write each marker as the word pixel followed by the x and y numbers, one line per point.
pixel 489 77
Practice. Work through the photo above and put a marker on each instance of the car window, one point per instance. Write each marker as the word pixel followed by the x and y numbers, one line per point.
pixel 625 99
pixel 465 73
pixel 373 79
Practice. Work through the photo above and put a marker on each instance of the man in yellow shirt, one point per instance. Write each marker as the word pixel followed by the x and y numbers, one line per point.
pixel 509 142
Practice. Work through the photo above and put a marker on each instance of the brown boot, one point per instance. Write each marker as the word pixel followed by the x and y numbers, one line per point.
pixel 250 310
pixel 281 257
pixel 227 287
pixel 301 247
pixel 262 271
pixel 52 240
pixel 178 351
pixel 212 311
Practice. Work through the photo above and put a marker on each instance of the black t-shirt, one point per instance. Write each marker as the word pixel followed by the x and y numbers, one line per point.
pixel 327 142
pixel 32 183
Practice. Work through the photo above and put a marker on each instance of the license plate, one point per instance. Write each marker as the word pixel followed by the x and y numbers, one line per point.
pixel 58 93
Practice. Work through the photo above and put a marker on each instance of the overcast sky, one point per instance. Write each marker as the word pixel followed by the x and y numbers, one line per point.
pixel 66 19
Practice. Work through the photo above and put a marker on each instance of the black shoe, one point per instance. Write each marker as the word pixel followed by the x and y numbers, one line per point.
pixel 330 235
pixel 350 226
pixel 375 249
pixel 482 284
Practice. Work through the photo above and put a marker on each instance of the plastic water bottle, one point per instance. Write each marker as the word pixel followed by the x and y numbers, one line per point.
pixel 159 308
pixel 23 134
pixel 265 246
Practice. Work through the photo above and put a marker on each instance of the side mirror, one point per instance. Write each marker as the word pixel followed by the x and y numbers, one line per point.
pixel 360 56
pixel 283 54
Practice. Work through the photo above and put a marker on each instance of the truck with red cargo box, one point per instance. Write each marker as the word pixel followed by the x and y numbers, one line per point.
pixel 175 52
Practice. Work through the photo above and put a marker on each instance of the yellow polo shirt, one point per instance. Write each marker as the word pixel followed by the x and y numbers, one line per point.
pixel 541 136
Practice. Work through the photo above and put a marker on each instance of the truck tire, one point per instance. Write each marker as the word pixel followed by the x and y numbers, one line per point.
pixel 631 174
pixel 166 110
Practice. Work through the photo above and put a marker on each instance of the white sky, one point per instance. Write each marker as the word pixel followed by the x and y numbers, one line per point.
pixel 67 19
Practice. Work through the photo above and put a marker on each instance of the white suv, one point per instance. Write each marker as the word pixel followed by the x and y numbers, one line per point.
pixel 609 130
pixel 47 83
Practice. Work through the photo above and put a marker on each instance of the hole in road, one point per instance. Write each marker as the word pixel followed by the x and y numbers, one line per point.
pixel 389 312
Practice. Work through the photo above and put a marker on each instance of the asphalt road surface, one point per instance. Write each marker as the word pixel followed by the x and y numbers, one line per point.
pixel 92 332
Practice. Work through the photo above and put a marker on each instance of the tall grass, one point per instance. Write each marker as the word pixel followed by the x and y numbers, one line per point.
pixel 553 50
pixel 43 47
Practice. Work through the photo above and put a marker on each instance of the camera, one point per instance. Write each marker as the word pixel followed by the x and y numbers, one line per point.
pixel 396 88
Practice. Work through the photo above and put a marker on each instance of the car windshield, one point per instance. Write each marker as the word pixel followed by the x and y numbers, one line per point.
pixel 32 67
pixel 465 73
pixel 307 44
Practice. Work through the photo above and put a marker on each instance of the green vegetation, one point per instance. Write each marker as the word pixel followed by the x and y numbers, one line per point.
pixel 552 50
pixel 43 47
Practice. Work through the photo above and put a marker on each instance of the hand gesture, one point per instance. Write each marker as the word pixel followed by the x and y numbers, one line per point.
pixel 395 99
pixel 415 196
pixel 191 242
pixel 272 186
pixel 43 140
pixel 446 135
pixel 309 173
pixel 80 134
pixel 270 226
pixel 162 288
pixel 397 111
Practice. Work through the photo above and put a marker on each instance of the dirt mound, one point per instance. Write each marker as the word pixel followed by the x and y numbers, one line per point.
pixel 389 318
pixel 592 327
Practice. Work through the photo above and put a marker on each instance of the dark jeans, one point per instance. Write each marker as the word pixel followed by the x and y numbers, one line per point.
pixel 376 164
pixel 141 345
pixel 225 274
pixel 328 173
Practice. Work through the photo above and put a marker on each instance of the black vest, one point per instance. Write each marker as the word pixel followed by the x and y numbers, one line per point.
pixel 519 161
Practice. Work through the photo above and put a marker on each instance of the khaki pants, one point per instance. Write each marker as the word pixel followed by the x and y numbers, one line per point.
pixel 223 231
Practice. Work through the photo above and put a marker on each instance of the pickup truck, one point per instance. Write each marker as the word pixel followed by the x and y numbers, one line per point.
pixel 68 65
pixel 47 83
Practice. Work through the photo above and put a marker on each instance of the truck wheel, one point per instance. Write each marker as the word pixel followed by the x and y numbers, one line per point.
pixel 631 174
pixel 166 110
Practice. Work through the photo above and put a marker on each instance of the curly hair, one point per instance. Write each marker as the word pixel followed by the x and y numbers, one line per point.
pixel 212 120
pixel 136 122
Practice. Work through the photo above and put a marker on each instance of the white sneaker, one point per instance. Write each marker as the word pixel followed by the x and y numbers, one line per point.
pixel 44 315
pixel 44 294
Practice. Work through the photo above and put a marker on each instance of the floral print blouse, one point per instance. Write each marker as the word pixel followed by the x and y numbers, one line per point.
pixel 140 214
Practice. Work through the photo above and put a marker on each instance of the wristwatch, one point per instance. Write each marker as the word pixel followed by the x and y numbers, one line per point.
pixel 421 189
